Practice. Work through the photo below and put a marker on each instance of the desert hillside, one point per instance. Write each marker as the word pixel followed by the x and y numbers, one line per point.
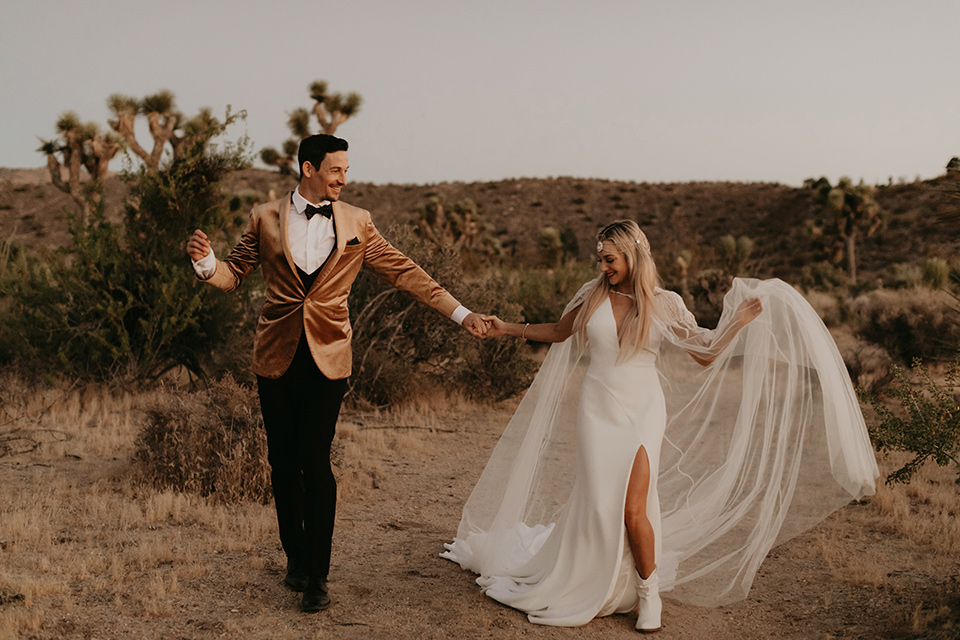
pixel 692 216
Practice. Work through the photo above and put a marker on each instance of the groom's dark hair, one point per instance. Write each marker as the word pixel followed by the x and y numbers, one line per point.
pixel 314 148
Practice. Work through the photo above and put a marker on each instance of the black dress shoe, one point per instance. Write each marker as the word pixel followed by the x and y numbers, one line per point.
pixel 315 597
pixel 297 578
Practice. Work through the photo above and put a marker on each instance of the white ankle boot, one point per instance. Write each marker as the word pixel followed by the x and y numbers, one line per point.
pixel 648 613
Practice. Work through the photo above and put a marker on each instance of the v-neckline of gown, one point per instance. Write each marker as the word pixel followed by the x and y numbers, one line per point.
pixel 616 326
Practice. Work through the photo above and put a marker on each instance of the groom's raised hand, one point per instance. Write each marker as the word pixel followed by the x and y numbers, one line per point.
pixel 475 325
pixel 198 246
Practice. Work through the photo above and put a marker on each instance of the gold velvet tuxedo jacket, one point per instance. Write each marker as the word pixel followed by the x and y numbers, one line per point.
pixel 321 312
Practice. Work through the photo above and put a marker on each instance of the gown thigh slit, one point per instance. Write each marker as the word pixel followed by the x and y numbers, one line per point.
pixel 638 489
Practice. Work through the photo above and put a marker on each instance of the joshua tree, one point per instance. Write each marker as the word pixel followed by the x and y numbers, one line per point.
pixel 855 208
pixel 83 146
pixel 736 252
pixel 330 109
pixel 80 147
pixel 435 225
pixel 821 186
pixel 162 117
pixel 167 125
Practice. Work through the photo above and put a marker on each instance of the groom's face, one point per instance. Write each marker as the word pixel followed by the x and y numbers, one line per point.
pixel 329 178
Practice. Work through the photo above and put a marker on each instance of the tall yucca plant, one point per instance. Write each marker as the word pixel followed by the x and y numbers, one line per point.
pixel 80 148
pixel 162 118
pixel 330 110
pixel 856 212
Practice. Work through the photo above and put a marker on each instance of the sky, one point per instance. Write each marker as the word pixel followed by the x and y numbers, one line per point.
pixel 642 90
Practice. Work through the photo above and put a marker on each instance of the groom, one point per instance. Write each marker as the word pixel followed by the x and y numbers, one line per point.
pixel 311 246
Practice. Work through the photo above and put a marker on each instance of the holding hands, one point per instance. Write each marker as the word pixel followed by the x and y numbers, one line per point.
pixel 475 325
pixel 484 326
pixel 495 327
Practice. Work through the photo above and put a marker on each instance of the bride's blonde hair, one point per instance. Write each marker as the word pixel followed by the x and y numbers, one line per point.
pixel 634 332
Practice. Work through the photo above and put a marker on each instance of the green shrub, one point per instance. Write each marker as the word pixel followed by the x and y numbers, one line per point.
pixel 936 273
pixel 903 276
pixel 497 368
pixel 926 424
pixel 460 228
pixel 123 300
pixel 27 287
pixel 542 294
pixel 908 323
pixel 735 252
pixel 209 442
pixel 550 247
pixel 402 348
pixel 707 292
pixel 824 276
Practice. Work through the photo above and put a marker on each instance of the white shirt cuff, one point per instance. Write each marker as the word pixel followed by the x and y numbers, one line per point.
pixel 459 314
pixel 205 266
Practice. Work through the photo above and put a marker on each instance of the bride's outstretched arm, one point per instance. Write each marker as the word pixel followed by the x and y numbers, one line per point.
pixel 545 332
pixel 705 350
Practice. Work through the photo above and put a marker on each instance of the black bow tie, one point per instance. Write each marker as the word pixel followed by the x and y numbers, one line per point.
pixel 326 210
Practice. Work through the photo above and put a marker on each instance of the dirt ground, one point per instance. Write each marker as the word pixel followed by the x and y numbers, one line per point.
pixel 853 576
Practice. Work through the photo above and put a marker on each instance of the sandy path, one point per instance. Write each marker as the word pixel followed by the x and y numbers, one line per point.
pixel 387 580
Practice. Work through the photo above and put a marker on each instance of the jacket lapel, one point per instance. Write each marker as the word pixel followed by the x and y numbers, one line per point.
pixel 338 224
pixel 285 233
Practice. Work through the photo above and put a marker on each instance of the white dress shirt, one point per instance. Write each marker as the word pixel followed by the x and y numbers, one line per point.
pixel 311 243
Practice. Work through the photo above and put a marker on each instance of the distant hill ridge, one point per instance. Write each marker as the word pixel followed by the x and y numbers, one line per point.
pixel 675 216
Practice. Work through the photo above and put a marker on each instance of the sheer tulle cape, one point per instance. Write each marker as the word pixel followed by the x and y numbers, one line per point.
pixel 760 445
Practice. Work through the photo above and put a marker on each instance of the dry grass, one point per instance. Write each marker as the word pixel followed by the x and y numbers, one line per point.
pixel 926 511
pixel 70 542
pixel 366 441
pixel 900 546
pixel 209 442
pixel 87 552
pixel 922 514
pixel 78 530
pixel 63 421
pixel 74 529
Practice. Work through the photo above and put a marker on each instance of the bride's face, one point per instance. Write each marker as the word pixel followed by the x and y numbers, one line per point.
pixel 612 263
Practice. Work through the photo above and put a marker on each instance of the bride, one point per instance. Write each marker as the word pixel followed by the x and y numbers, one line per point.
pixel 651 454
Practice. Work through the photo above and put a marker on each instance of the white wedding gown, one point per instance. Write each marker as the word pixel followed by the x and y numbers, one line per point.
pixel 544 527
pixel 584 567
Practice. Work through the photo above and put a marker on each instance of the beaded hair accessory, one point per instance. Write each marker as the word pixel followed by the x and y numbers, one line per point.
pixel 642 241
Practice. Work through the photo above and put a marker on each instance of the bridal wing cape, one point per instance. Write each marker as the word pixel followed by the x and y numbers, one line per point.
pixel 761 445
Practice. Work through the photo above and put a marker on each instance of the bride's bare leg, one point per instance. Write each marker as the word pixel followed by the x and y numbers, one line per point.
pixel 639 529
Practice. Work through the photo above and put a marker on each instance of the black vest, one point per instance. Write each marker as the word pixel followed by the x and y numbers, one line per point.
pixel 308 278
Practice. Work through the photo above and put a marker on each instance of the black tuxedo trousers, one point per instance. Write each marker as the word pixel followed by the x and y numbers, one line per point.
pixel 300 411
